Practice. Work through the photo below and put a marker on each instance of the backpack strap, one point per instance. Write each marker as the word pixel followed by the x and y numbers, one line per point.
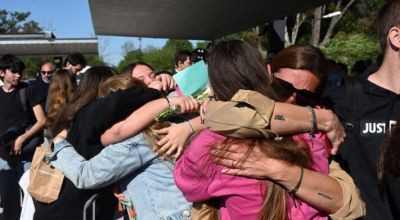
pixel 22 96
pixel 353 98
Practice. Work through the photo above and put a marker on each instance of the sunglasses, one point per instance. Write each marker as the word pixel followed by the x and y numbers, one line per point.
pixel 285 89
pixel 47 72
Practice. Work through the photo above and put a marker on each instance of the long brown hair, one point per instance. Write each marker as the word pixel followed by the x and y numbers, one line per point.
pixel 235 65
pixel 60 93
pixel 389 154
pixel 86 92
pixel 302 57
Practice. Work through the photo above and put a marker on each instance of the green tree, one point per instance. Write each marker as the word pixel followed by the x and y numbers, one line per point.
pixel 179 44
pixel 17 22
pixel 160 59
pixel 32 66
pixel 202 44
pixel 349 48
pixel 131 56
pixel 95 60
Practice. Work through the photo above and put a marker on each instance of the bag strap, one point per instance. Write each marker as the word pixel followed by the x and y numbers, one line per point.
pixel 353 98
pixel 22 96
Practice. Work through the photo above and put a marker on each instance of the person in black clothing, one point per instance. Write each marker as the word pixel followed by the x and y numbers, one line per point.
pixel 369 113
pixel 41 84
pixel 21 121
pixel 87 118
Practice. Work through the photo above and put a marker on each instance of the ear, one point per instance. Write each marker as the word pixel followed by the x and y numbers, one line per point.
pixel 2 73
pixel 394 37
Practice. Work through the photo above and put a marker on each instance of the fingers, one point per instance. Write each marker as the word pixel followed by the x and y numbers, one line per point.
pixel 168 83
pixel 163 131
pixel 236 148
pixel 228 162
pixel 234 172
pixel 186 103
pixel 172 149
pixel 163 141
pixel 178 152
pixel 16 152
pixel 166 150
pixel 222 154
pixel 156 85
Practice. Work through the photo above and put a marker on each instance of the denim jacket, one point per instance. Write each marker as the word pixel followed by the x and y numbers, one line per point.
pixel 145 178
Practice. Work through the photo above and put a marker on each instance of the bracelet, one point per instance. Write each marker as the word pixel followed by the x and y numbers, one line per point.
pixel 190 126
pixel 293 191
pixel 169 103
pixel 313 120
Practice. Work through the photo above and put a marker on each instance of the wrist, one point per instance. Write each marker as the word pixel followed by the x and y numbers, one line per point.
pixel 287 176
pixel 190 126
pixel 168 101
pixel 23 136
pixel 324 119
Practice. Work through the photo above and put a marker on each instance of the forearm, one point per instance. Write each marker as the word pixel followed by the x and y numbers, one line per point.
pixel 109 166
pixel 38 126
pixel 136 122
pixel 40 122
pixel 289 119
pixel 326 195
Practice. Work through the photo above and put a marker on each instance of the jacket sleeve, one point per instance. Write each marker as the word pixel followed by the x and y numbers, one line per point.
pixel 353 206
pixel 120 104
pixel 248 114
pixel 110 165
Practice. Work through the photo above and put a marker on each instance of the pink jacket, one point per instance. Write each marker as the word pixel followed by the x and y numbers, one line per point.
pixel 239 197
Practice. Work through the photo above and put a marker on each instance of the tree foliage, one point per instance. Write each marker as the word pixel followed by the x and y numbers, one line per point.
pixel 95 61
pixel 158 58
pixel 32 66
pixel 349 48
pixel 17 22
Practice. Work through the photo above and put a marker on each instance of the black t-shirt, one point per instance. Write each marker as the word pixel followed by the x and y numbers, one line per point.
pixel 90 122
pixel 11 108
pixel 379 110
pixel 41 89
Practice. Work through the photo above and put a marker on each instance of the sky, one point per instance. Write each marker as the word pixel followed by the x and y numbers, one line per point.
pixel 72 19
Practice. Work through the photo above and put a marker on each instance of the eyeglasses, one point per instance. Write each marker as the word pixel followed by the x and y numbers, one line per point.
pixel 47 72
pixel 285 89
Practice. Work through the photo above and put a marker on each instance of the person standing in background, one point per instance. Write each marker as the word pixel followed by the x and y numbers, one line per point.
pixel 41 84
